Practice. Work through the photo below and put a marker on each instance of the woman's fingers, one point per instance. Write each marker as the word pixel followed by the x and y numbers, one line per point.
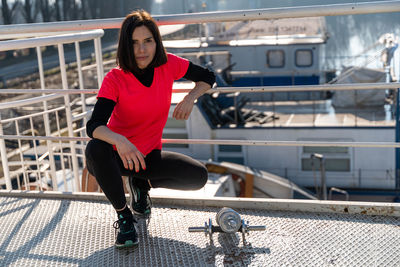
pixel 134 161
pixel 141 160
pixel 135 164
pixel 125 162
pixel 177 111
pixel 130 164
pixel 180 114
pixel 182 110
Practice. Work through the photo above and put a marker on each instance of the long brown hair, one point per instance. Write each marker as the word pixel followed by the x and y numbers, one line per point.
pixel 125 54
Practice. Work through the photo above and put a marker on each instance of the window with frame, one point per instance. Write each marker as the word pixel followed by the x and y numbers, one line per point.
pixel 337 159
pixel 304 57
pixel 276 58
pixel 230 153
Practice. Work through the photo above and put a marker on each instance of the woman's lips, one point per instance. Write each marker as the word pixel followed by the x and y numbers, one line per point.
pixel 141 58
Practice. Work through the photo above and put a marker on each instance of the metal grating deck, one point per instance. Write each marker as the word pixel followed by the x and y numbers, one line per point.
pixel 62 232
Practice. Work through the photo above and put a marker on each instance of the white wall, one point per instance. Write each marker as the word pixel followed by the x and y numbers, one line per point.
pixel 376 164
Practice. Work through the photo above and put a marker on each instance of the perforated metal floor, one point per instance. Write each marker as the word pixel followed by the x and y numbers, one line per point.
pixel 59 232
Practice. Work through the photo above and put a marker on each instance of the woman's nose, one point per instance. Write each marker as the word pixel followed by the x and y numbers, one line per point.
pixel 142 47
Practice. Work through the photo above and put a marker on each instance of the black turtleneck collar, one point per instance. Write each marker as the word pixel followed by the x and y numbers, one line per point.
pixel 145 77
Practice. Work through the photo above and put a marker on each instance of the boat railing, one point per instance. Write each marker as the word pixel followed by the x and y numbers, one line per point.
pixel 62 157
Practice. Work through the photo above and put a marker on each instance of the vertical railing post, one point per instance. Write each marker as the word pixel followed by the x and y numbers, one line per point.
pixel 47 123
pixel 80 77
pixel 64 81
pixel 99 61
pixel 397 153
pixel 4 159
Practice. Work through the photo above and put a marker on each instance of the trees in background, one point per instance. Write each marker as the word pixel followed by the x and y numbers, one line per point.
pixel 63 10
pixel 8 12
pixel 31 11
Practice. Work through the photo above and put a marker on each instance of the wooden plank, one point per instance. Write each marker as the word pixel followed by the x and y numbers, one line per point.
pixel 249 183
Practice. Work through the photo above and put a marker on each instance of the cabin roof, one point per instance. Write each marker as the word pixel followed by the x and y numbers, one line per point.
pixel 76 230
pixel 302 27
pixel 259 32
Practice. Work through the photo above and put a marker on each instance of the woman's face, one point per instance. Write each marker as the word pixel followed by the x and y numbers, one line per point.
pixel 144 46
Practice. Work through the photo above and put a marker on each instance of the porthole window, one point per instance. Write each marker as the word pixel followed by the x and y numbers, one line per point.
pixel 275 58
pixel 304 58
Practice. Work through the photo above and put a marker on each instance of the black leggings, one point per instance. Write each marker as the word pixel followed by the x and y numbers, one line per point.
pixel 163 169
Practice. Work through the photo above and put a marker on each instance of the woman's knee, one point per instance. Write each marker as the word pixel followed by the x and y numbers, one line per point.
pixel 97 149
pixel 200 177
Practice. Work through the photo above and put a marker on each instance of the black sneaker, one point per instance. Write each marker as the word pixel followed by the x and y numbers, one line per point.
pixel 140 201
pixel 127 234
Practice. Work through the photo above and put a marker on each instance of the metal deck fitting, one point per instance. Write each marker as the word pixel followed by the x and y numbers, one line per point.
pixel 50 229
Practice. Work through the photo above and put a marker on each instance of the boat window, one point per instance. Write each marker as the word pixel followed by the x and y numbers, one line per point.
pixel 304 58
pixel 275 58
pixel 226 148
pixel 331 165
pixel 325 149
pixel 230 153
pixel 337 159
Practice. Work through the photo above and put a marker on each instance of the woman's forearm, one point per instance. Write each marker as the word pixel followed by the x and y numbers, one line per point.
pixel 199 89
pixel 104 133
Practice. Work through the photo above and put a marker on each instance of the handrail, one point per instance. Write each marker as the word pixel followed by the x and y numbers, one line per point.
pixel 217 16
pixel 33 100
pixel 223 142
pixel 269 89
pixel 50 40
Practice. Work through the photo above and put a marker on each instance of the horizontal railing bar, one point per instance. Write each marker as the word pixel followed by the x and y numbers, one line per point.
pixel 222 142
pixel 80 129
pixel 26 162
pixel 203 53
pixel 281 143
pixel 50 40
pixel 92 66
pixel 217 16
pixel 317 87
pixel 33 100
pixel 261 74
pixel 270 89
pixel 32 115
pixel 82 115
pixel 29 34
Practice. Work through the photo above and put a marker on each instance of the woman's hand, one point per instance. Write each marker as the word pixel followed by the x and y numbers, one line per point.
pixel 183 109
pixel 130 155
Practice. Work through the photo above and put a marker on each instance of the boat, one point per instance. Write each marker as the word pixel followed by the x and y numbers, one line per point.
pixel 299 116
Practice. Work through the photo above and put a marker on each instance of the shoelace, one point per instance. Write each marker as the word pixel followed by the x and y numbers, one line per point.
pixel 117 224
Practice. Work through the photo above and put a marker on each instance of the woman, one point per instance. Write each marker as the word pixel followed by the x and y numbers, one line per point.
pixel 128 119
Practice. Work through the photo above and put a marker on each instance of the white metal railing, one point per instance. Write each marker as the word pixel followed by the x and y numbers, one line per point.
pixel 53 150
pixel 72 143
pixel 57 143
pixel 219 16
pixel 244 89
pixel 222 142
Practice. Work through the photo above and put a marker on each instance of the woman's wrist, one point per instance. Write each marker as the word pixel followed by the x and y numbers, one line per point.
pixel 119 139
pixel 190 97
